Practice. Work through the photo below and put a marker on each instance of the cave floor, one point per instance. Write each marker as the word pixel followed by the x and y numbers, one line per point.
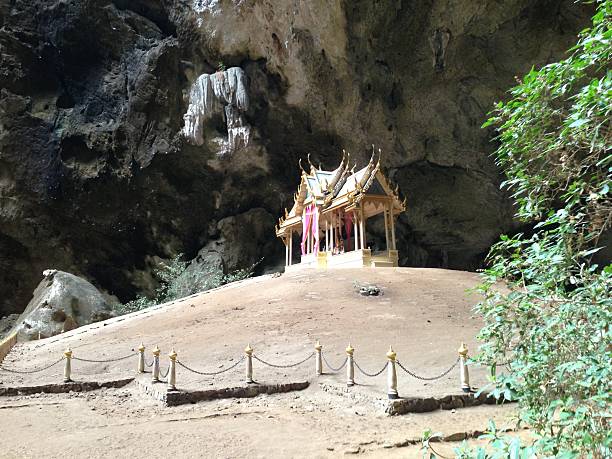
pixel 424 313
pixel 115 423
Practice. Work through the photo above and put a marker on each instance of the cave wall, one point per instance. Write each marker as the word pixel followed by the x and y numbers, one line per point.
pixel 96 180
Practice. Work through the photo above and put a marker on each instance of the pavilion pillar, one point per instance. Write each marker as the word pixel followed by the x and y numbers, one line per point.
pixel 286 250
pixel 356 236
pixel 332 233
pixel 386 214
pixel 393 229
pixel 290 247
pixel 309 239
pixel 362 235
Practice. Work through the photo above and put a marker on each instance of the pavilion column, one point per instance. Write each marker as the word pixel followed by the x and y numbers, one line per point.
pixel 356 236
pixel 290 247
pixel 362 235
pixel 393 229
pixel 286 250
pixel 309 239
pixel 326 240
pixel 386 213
pixel 332 233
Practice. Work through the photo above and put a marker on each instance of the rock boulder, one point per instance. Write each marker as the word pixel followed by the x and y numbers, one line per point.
pixel 61 302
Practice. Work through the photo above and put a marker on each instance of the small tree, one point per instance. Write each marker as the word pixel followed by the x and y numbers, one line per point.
pixel 178 279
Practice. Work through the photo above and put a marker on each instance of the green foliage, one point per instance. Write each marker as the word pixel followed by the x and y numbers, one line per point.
pixel 178 279
pixel 547 306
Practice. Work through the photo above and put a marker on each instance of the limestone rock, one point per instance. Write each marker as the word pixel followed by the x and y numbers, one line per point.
pixel 96 177
pixel 61 302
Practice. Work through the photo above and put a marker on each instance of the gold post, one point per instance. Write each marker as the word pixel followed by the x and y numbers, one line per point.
pixel 318 361
pixel 156 353
pixel 67 366
pixel 172 371
pixel 391 375
pixel 463 368
pixel 248 351
pixel 350 366
pixel 141 358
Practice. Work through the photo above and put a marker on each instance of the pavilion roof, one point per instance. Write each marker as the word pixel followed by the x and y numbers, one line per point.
pixel 341 187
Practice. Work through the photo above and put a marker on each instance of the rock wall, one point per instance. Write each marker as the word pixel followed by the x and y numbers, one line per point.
pixel 96 179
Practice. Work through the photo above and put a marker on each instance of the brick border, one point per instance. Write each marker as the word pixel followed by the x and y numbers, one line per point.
pixel 74 386
pixel 178 397
pixel 412 404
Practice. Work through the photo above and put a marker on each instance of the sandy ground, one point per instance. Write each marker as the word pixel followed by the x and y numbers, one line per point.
pixel 117 423
pixel 423 313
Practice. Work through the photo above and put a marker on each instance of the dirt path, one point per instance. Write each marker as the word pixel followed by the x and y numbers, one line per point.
pixel 116 423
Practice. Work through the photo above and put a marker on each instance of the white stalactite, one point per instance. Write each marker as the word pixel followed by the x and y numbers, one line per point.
pixel 224 92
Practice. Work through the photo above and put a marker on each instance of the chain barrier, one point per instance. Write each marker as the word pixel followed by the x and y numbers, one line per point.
pixel 284 366
pixel 105 361
pixel 204 373
pixel 161 373
pixel 334 370
pixel 423 378
pixel 32 371
pixel 150 364
pixel 371 375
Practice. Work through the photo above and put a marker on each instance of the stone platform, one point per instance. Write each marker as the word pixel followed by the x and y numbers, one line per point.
pixel 404 405
pixel 159 391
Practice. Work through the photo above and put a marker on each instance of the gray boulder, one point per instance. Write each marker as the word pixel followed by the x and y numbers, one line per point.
pixel 61 302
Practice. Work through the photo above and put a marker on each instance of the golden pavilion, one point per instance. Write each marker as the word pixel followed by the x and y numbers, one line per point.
pixel 329 218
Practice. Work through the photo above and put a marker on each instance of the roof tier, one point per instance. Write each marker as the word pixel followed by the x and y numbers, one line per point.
pixel 341 187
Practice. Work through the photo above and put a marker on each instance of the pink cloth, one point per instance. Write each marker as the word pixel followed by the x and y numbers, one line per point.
pixel 306 222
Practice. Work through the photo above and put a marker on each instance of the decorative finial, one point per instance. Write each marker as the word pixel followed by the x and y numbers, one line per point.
pixel 391 354
pixel 463 350
pixel 350 349
pixel 248 350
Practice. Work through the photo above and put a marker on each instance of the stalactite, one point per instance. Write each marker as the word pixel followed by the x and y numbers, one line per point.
pixel 211 93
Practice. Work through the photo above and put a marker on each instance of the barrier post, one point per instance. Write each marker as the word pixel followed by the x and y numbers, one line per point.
pixel 248 351
pixel 141 358
pixel 463 368
pixel 350 368
pixel 156 353
pixel 391 375
pixel 172 370
pixel 318 361
pixel 68 365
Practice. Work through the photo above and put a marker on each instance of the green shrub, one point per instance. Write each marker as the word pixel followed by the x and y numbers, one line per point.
pixel 552 323
pixel 178 279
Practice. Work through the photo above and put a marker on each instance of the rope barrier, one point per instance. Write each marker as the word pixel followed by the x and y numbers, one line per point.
pixel 424 378
pixel 106 361
pixel 284 366
pixel 348 360
pixel 204 373
pixel 371 375
pixel 161 373
pixel 335 370
pixel 31 371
